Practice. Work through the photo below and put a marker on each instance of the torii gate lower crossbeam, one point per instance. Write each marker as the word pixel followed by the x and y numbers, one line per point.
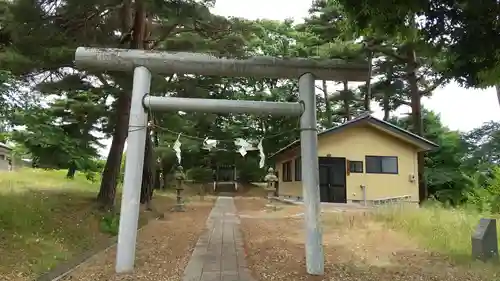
pixel 163 62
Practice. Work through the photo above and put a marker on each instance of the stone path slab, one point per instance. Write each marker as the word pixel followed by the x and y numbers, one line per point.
pixel 219 253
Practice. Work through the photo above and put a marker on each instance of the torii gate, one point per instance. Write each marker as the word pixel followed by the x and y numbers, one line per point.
pixel 142 63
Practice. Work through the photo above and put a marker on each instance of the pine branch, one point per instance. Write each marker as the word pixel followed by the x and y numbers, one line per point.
pixel 433 87
pixel 388 51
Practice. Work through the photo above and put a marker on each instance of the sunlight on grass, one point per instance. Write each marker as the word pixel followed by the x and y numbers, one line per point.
pixel 432 238
pixel 38 179
pixel 44 218
pixel 440 229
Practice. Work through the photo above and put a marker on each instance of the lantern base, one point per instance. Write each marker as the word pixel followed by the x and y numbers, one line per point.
pixel 272 208
pixel 270 196
pixel 270 189
pixel 179 208
pixel 179 204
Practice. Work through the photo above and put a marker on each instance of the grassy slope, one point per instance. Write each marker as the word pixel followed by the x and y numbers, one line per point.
pixel 440 229
pixel 434 227
pixel 390 242
pixel 44 219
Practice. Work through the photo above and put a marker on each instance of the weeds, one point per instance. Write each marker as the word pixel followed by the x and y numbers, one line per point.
pixel 109 223
pixel 445 230
pixel 44 219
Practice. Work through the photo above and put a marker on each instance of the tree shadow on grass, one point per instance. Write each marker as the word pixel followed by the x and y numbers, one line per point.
pixel 40 228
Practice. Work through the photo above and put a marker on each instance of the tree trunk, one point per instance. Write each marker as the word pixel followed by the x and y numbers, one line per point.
pixel 387 93
pixel 347 106
pixel 71 171
pixel 387 108
pixel 165 169
pixel 147 173
pixel 417 125
pixel 157 177
pixel 107 192
pixel 138 36
pixel 157 169
pixel 368 94
pixel 138 39
pixel 328 108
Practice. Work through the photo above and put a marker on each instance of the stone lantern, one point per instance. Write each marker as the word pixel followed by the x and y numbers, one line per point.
pixel 271 179
pixel 179 187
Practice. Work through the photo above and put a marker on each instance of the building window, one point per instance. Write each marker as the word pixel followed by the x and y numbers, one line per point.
pixel 381 164
pixel 2 157
pixel 355 166
pixel 287 171
pixel 298 169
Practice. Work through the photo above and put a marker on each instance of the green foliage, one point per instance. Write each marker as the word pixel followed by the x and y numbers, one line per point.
pixel 94 170
pixel 60 108
pixel 454 27
pixel 122 169
pixel 110 223
pixel 249 171
pixel 486 198
pixel 445 174
pixel 484 144
pixel 53 143
pixel 60 132
pixel 463 170
pixel 200 174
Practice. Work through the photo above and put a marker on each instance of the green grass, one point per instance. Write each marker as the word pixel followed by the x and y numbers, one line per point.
pixel 38 179
pixel 45 219
pixel 444 230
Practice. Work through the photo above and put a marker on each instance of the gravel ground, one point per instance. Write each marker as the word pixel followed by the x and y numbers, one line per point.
pixel 365 251
pixel 164 249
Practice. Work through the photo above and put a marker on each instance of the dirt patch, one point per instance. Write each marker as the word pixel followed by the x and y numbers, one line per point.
pixel 163 250
pixel 251 190
pixel 356 248
pixel 251 207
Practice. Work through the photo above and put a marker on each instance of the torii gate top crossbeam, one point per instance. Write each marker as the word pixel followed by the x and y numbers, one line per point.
pixel 205 64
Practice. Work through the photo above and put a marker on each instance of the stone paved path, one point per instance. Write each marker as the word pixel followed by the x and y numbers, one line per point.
pixel 219 254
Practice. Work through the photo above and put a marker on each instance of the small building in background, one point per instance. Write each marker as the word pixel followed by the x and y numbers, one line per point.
pixel 225 178
pixel 5 157
pixel 365 160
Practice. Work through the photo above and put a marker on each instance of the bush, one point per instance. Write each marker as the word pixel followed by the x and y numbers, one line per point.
pixel 200 174
pixel 249 171
pixel 487 198
pixel 109 223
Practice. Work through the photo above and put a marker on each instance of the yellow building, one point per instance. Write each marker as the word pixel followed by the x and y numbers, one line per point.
pixel 365 160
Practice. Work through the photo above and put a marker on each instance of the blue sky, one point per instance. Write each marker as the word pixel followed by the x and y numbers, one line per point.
pixel 460 109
